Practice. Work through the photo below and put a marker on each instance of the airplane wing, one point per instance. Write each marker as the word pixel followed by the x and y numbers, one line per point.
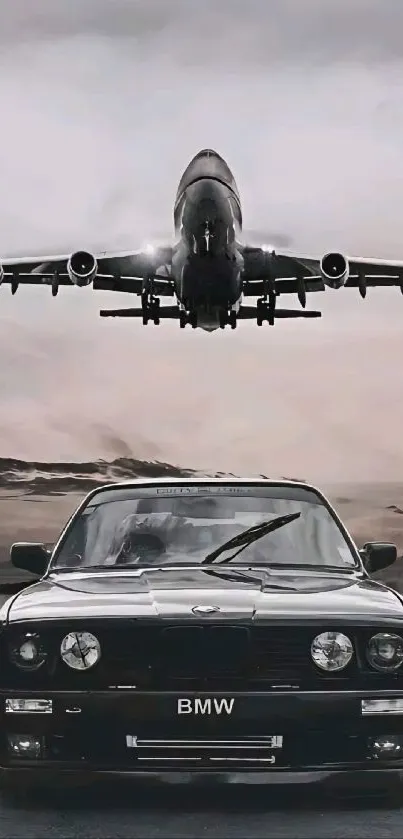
pixel 124 271
pixel 282 272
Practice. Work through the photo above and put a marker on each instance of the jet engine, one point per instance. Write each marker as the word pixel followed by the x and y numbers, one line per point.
pixel 82 268
pixel 335 269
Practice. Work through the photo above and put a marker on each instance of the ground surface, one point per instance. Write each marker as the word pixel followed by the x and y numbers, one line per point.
pixel 225 813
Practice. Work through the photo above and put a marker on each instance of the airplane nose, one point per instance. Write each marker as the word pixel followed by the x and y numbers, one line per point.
pixel 208 153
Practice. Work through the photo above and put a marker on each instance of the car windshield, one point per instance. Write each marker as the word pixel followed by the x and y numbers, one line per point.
pixel 171 525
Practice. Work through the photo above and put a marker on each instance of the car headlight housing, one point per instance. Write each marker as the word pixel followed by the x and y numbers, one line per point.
pixel 27 652
pixel 385 652
pixel 80 650
pixel 331 651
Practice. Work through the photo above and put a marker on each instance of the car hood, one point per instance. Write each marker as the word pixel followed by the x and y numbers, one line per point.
pixel 174 592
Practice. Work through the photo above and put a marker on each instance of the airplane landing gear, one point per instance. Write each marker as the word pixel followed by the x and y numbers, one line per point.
pixel 266 308
pixel 150 306
pixel 187 318
pixel 228 319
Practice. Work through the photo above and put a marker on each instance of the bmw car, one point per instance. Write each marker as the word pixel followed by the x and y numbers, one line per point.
pixel 221 628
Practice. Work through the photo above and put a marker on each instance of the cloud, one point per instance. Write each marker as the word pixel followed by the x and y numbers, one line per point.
pixel 286 30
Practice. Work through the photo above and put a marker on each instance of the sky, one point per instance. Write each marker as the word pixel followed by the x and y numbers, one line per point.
pixel 103 103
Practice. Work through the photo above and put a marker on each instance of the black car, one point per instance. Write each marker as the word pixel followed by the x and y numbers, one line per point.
pixel 213 627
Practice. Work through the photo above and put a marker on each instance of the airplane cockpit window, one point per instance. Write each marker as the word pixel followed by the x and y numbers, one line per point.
pixel 207 164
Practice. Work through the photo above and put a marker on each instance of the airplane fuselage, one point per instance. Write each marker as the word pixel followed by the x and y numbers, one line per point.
pixel 207 263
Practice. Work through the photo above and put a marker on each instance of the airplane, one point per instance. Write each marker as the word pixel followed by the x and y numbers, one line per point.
pixel 208 270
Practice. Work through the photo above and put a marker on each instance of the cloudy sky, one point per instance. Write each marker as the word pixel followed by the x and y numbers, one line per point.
pixel 103 102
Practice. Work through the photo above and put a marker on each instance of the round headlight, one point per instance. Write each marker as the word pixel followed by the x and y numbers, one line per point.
pixel 385 651
pixel 331 651
pixel 80 650
pixel 28 653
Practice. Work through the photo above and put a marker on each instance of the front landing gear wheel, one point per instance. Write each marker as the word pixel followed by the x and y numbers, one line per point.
pixel 187 318
pixel 150 307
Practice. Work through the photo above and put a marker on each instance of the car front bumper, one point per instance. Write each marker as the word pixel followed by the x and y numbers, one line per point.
pixel 281 736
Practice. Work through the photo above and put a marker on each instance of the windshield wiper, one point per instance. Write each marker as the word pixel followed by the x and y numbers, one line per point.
pixel 247 537
pixel 239 576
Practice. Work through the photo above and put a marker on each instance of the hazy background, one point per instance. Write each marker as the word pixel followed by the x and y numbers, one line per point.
pixel 102 103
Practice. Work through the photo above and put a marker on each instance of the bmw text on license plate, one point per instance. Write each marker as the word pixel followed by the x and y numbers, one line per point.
pixel 205 706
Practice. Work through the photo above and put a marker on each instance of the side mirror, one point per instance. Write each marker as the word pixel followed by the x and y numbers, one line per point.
pixel 30 556
pixel 378 555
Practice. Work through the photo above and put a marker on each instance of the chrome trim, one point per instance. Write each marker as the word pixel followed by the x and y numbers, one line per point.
pixel 389 705
pixel 43 706
pixel 272 742
pixel 206 610
pixel 202 746
pixel 271 759
pixel 214 759
pixel 180 759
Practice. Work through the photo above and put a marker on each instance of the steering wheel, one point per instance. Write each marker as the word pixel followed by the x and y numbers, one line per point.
pixel 140 547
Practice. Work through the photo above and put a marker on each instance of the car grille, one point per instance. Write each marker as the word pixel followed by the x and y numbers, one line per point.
pixel 222 656
pixel 195 657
